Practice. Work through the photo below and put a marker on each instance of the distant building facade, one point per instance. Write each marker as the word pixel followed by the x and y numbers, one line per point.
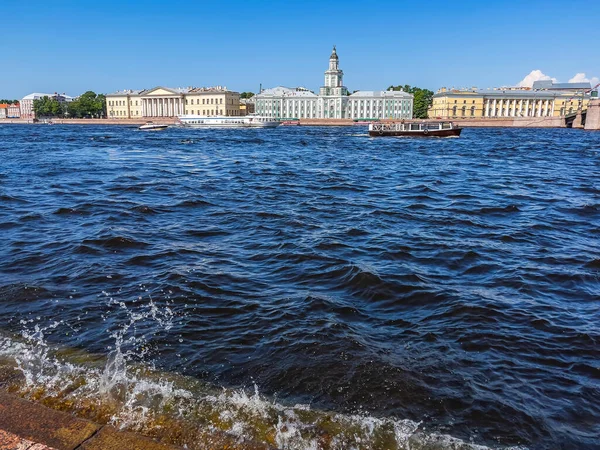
pixel 333 101
pixel 246 106
pixel 545 99
pixel 26 104
pixel 13 111
pixel 171 102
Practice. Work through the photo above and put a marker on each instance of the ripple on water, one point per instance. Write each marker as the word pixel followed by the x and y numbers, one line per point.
pixel 379 292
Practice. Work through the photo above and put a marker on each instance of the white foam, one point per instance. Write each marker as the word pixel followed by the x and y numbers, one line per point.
pixel 138 394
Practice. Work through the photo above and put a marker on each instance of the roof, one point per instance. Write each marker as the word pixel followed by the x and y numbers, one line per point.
pixel 38 95
pixel 126 92
pixel 187 90
pixel 282 91
pixel 550 85
pixel 3 105
pixel 504 93
pixel 389 94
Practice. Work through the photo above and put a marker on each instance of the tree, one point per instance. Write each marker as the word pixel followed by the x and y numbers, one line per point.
pixel 10 102
pixel 423 99
pixel 88 104
pixel 48 107
pixel 247 94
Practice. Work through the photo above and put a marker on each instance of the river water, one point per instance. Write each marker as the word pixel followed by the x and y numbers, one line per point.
pixel 441 292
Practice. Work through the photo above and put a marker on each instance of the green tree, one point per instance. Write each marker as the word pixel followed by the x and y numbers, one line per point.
pixel 247 94
pixel 10 102
pixel 423 99
pixel 89 105
pixel 48 107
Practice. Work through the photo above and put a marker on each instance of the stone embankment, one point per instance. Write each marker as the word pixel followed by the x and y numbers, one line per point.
pixel 29 426
pixel 592 123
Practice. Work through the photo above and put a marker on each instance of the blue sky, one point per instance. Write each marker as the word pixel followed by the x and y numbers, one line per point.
pixel 106 45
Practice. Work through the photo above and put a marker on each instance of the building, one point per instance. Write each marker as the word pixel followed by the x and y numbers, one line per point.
pixel 246 106
pixel 282 102
pixel 546 99
pixel 26 105
pixel 171 102
pixel 13 111
pixel 3 110
pixel 333 100
pixel 549 85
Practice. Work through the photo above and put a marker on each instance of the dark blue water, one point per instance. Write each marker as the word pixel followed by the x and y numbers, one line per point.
pixel 452 282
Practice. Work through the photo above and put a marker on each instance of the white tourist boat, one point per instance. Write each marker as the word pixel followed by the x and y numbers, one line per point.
pixel 249 121
pixel 256 120
pixel 151 126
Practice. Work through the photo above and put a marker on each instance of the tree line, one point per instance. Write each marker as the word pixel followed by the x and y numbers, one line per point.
pixel 87 105
pixel 10 102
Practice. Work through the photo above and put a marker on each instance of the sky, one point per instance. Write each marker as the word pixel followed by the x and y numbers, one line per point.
pixel 73 46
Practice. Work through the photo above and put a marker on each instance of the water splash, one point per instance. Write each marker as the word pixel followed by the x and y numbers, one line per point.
pixel 125 390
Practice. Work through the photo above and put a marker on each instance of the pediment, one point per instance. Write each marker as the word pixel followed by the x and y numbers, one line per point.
pixel 160 91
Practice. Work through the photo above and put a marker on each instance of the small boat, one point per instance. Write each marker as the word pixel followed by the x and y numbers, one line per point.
pixel 151 126
pixel 290 123
pixel 414 129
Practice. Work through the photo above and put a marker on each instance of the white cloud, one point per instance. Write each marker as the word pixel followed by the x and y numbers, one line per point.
pixel 534 75
pixel 581 78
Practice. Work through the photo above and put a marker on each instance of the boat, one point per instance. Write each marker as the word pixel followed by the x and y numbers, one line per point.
pixel 415 129
pixel 249 121
pixel 151 126
pixel 256 120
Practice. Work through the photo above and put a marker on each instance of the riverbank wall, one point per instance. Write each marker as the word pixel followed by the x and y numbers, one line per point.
pixel 500 122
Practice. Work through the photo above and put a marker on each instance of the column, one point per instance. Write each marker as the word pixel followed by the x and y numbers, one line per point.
pixel 520 107
pixel 552 105
pixel 494 108
pixel 539 108
pixel 546 108
pixel 487 108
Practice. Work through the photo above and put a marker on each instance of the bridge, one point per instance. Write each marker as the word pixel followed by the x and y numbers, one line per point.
pixel 588 119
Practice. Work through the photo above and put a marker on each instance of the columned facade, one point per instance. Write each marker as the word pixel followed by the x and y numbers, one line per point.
pixel 509 102
pixel 167 102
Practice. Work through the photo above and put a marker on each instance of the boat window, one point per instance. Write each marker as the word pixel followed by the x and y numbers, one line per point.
pixel 414 126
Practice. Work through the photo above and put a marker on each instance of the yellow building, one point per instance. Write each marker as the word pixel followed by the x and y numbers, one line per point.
pixel 168 102
pixel 246 106
pixel 556 100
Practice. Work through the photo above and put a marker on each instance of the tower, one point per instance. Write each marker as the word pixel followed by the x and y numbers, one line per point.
pixel 333 93
pixel 333 75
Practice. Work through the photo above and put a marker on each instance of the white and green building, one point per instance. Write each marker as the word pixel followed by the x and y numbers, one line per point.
pixel 333 101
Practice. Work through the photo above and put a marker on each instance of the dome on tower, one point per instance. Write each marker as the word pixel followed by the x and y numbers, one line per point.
pixel 333 54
